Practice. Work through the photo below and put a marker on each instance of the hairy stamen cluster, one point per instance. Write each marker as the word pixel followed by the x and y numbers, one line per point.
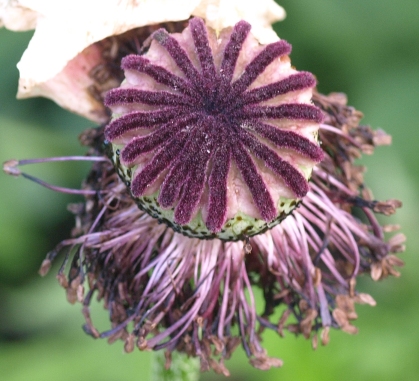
pixel 165 291
pixel 208 143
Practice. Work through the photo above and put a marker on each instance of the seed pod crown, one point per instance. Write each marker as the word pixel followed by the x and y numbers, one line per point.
pixel 214 134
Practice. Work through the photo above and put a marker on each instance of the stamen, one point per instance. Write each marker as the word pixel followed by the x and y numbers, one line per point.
pixel 10 168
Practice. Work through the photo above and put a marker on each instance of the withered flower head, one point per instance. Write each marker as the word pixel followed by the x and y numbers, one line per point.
pixel 216 136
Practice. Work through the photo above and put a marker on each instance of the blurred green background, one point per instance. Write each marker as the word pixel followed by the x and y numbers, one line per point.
pixel 367 49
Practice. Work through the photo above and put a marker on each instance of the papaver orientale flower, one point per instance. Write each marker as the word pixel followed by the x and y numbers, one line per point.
pixel 219 170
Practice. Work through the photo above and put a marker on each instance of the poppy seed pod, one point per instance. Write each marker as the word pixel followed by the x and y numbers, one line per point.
pixel 214 135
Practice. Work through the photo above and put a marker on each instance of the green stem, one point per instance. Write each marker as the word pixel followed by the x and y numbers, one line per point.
pixel 183 368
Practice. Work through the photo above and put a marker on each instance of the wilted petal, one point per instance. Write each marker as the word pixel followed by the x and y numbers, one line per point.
pixel 66 29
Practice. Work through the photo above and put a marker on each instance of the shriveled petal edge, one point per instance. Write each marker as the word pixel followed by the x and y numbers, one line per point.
pixel 49 52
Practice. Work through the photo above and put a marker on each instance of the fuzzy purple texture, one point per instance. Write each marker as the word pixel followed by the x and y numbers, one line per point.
pixel 210 121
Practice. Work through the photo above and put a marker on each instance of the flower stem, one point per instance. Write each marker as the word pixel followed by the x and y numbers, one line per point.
pixel 182 368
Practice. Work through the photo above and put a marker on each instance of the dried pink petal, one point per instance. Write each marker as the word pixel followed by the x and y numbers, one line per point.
pixel 69 32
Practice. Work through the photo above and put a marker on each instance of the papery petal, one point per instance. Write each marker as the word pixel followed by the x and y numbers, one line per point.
pixel 14 15
pixel 220 14
pixel 66 29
